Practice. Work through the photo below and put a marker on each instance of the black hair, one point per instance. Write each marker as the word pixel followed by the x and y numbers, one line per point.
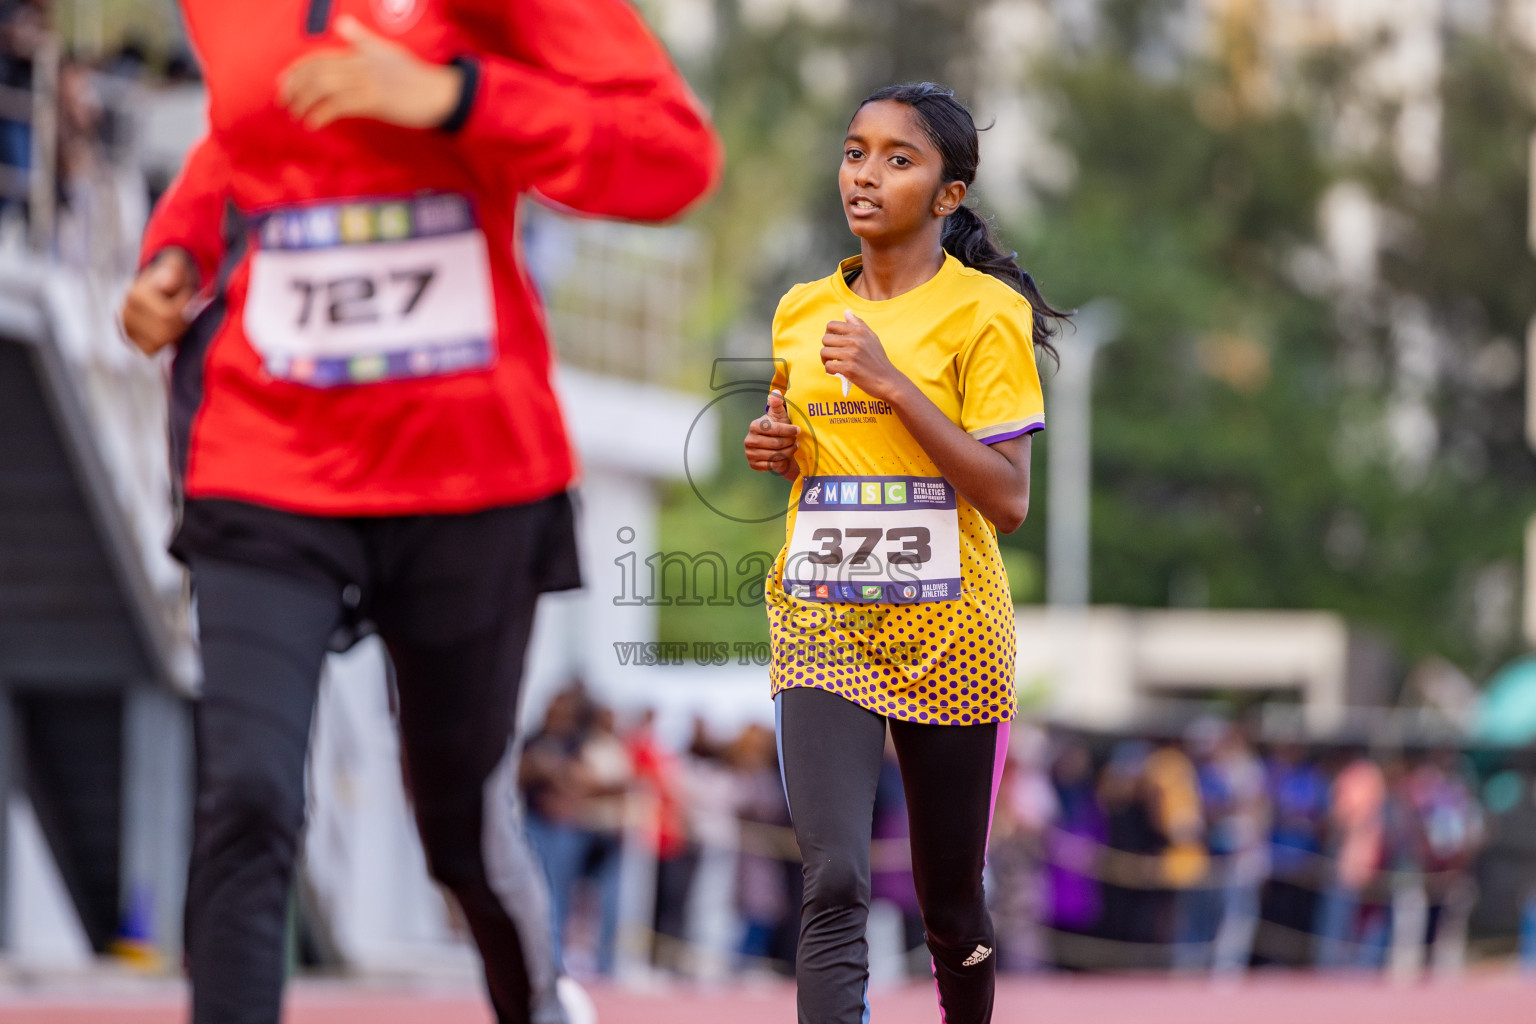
pixel 967 235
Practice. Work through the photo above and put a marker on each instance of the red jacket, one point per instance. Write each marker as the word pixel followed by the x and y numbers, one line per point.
pixel 394 359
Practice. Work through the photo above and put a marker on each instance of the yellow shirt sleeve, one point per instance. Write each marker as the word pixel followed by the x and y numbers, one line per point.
pixel 1000 393
pixel 780 382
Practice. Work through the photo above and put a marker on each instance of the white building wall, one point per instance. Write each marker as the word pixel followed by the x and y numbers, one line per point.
pixel 42 930
pixel 1101 666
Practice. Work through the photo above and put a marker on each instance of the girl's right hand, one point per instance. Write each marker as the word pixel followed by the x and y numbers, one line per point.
pixel 773 440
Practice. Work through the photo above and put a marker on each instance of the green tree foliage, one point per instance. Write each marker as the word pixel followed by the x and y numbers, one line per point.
pixel 1242 423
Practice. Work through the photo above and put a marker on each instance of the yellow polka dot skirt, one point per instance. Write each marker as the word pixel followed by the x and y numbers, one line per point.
pixel 945 662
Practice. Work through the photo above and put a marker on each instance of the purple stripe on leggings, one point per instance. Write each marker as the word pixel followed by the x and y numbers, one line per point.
pixel 999 759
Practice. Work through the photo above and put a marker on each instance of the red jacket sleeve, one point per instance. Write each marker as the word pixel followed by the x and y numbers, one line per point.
pixel 586 102
pixel 190 215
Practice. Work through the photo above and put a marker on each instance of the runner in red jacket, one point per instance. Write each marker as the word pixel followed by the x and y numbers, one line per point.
pixel 363 422
pixel 346 251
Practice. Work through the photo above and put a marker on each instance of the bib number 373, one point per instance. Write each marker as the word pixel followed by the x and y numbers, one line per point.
pixel 874 540
pixel 359 292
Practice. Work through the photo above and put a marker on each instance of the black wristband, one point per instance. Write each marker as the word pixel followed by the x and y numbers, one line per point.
pixel 470 69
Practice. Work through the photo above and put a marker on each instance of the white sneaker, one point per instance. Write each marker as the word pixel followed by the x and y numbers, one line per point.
pixel 578 1006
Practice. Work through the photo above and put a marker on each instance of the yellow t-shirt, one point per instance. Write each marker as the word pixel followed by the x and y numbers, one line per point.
pixel 890 590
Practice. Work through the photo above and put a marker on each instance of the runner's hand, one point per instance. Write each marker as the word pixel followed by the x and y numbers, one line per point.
pixel 773 440
pixel 850 348
pixel 154 310
pixel 376 79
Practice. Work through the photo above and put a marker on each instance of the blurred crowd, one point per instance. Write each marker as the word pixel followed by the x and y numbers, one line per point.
pixel 84 139
pixel 589 788
pixel 1208 852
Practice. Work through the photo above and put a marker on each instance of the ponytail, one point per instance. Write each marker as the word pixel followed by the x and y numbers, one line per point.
pixel 967 235
pixel 968 238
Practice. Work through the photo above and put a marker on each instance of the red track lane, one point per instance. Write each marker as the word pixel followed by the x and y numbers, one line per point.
pixel 1277 999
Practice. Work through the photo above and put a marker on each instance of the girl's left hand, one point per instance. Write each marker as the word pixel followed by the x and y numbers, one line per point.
pixel 376 79
pixel 850 348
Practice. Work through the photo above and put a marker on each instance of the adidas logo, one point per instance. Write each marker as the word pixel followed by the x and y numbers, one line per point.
pixel 980 954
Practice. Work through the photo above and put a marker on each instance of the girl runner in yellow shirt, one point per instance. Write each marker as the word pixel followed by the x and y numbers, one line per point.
pixel 903 409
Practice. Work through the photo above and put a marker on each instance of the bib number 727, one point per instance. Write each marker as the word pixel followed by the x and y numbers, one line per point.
pixel 874 540
pixel 362 298
pixel 371 290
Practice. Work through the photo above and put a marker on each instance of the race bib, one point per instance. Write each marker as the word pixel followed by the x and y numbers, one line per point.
pixel 372 290
pixel 888 539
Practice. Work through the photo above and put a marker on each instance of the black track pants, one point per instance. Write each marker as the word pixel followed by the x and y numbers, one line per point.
pixel 830 750
pixel 453 598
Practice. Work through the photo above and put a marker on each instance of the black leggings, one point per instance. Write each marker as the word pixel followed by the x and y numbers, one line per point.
pixel 453 598
pixel 830 750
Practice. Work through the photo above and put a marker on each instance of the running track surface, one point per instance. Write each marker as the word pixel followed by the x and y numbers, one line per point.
pixel 1491 998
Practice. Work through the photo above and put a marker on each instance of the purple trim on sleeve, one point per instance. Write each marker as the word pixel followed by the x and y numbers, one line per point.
pixel 1010 435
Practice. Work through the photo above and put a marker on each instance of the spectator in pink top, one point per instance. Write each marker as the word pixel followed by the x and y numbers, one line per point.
pixel 1356 802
